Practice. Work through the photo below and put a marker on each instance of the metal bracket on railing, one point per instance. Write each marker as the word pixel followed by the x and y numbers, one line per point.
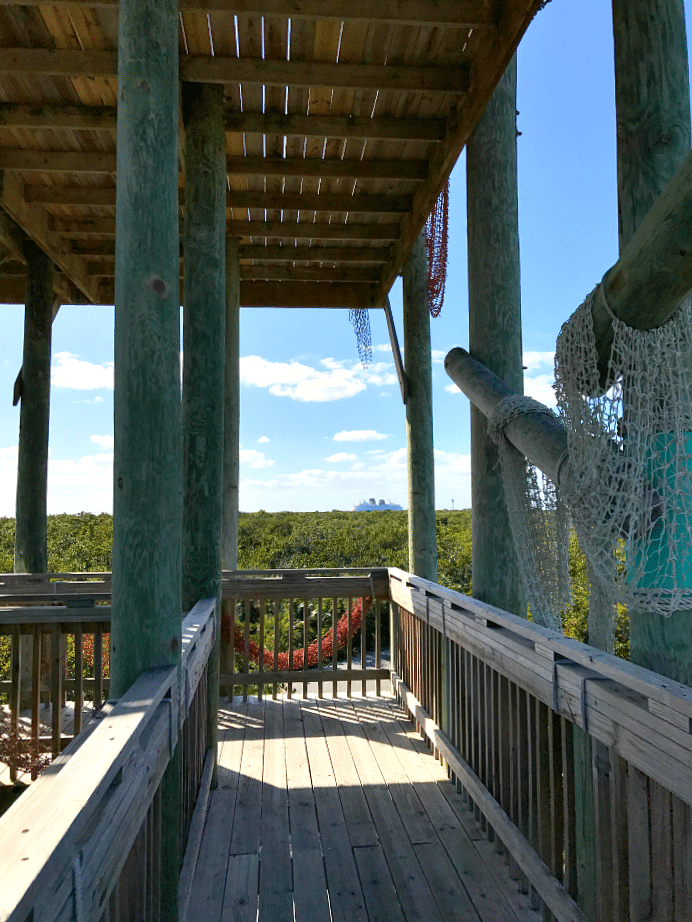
pixel 556 663
pixel 77 889
pixel 584 680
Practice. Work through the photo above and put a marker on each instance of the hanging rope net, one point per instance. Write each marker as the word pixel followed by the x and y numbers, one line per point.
pixel 628 483
pixel 538 518
pixel 343 635
pixel 360 318
pixel 436 229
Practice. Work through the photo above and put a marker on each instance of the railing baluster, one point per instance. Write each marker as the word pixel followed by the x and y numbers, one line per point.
pixel 57 667
pixel 639 844
pixel 569 817
pixel 320 692
pixel 246 607
pixel 277 644
pixel 289 690
pixel 260 665
pixel 363 648
pixel 35 700
pixel 98 669
pixel 335 651
pixel 662 853
pixel 15 697
pixel 618 794
pixel 377 608
pixel 78 678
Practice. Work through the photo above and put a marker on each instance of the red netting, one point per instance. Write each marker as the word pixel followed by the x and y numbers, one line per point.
pixel 267 656
pixel 436 242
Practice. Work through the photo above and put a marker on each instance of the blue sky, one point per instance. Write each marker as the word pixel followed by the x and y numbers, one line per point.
pixel 317 430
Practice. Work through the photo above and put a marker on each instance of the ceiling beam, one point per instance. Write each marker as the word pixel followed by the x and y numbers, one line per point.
pixel 205 69
pixel 202 68
pixel 63 161
pixel 363 204
pixel 94 118
pixel 345 255
pixel 106 269
pixel 34 223
pixel 105 227
pixel 306 294
pixel 465 14
pixel 332 126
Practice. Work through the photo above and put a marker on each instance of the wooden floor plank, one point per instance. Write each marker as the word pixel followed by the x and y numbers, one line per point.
pixel 346 894
pixel 276 876
pixel 246 819
pixel 411 885
pixel 378 887
pixel 494 894
pixel 210 876
pixel 279 842
pixel 241 896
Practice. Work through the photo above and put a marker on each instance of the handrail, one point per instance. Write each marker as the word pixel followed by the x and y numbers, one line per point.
pixel 70 834
pixel 501 699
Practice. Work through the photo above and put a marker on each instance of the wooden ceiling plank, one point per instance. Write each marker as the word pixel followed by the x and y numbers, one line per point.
pixel 57 161
pixel 93 196
pixel 306 294
pixel 416 170
pixel 458 13
pixel 205 69
pixel 346 254
pixel 309 231
pixel 89 118
pixel 35 223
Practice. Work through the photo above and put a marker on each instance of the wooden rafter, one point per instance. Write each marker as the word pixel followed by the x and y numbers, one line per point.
pixel 205 69
pixel 92 118
pixel 105 227
pixel 465 14
pixel 95 196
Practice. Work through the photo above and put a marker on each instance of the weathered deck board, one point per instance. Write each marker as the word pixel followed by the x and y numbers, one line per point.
pixel 334 811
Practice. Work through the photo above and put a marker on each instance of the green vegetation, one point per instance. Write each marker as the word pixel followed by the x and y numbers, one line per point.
pixel 286 540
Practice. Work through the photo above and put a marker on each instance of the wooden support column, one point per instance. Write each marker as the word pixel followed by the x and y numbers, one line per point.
pixel 494 331
pixel 422 540
pixel 30 544
pixel 231 420
pixel 203 361
pixel 653 131
pixel 147 502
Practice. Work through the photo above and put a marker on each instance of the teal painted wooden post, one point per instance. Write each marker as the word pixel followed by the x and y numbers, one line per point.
pixel 147 501
pixel 653 131
pixel 203 360
pixel 30 545
pixel 494 331
pixel 422 541
pixel 231 424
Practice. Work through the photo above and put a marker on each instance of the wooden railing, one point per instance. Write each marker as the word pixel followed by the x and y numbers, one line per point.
pixel 85 840
pixel 54 642
pixel 522 707
pixel 293 615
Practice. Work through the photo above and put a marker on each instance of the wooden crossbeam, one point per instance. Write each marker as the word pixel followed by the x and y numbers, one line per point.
pixel 93 118
pixel 416 170
pixel 105 227
pixel 465 14
pixel 331 126
pixel 69 62
pixel 306 294
pixel 63 161
pixel 344 255
pixel 205 69
pixel 94 196
pixel 18 219
pixel 106 269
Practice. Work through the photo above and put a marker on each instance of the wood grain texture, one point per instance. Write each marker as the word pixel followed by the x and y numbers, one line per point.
pixel 494 331
pixel 419 426
pixel 30 547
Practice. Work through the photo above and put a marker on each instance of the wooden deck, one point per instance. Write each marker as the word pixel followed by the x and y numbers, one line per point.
pixel 336 810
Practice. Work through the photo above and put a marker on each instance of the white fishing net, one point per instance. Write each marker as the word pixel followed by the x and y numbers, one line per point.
pixel 628 484
pixel 538 518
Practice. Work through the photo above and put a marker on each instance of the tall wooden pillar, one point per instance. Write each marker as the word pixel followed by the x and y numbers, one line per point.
pixel 203 340
pixel 147 501
pixel 653 132
pixel 494 331
pixel 203 360
pixel 231 421
pixel 422 540
pixel 30 545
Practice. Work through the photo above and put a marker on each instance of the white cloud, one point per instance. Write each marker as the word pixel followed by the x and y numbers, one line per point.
pixel 76 374
pixel 79 484
pixel 453 389
pixel 8 480
pixel 534 360
pixel 359 435
pixel 540 387
pixel 105 442
pixel 262 440
pixel 93 401
pixel 438 356
pixel 254 459
pixel 335 380
pixel 382 347
pixel 383 475
pixel 341 456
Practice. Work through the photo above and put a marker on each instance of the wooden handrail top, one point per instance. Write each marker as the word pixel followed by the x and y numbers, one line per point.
pixel 47 617
pixel 301 584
